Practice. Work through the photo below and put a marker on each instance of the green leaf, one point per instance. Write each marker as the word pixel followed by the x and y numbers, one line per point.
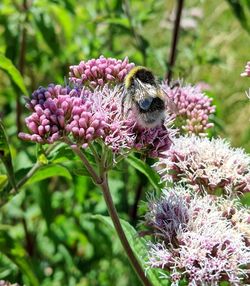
pixel 81 170
pixel 139 247
pixel 141 166
pixel 47 30
pixel 3 181
pixel 5 156
pixel 17 254
pixel 245 199
pixel 123 22
pixel 7 66
pixel 49 171
pixel 241 9
pixel 61 154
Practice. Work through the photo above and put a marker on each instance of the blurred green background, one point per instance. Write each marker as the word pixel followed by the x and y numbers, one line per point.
pixel 48 235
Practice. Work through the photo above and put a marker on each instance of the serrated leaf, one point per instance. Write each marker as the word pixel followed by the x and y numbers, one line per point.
pixel 139 248
pixel 49 171
pixel 15 76
pixel 150 173
pixel 5 156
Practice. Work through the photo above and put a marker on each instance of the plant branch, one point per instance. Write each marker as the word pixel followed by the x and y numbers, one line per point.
pixel 21 64
pixel 26 178
pixel 102 181
pixel 114 216
pixel 96 155
pixel 138 39
pixel 175 35
pixel 138 194
pixel 97 180
pixel 28 238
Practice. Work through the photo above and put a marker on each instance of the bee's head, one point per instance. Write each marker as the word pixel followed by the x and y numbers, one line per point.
pixel 139 74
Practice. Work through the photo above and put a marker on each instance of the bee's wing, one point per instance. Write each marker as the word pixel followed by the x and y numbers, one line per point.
pixel 171 106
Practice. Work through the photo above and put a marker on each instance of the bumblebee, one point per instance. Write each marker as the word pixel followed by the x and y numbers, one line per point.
pixel 145 97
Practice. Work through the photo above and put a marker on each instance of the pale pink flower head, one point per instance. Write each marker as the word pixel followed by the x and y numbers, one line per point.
pixel 208 165
pixel 192 108
pixel 247 70
pixel 196 241
pixel 98 72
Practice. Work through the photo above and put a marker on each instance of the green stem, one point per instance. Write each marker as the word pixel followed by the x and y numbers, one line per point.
pixel 26 177
pixel 22 54
pixel 93 149
pixel 138 39
pixel 118 227
pixel 92 172
pixel 31 172
pixel 102 181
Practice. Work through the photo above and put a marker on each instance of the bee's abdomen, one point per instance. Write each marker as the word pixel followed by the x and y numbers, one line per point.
pixel 157 104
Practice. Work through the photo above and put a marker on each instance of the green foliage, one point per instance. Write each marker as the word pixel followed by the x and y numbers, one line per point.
pixel 7 66
pixel 241 10
pixel 5 156
pixel 145 169
pixel 53 227
pixel 17 254
pixel 139 247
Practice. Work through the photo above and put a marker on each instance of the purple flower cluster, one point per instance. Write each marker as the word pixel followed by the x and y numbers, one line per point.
pixel 247 70
pixel 97 72
pixel 208 165
pixel 192 108
pixel 198 240
pixel 52 109
pixel 156 139
pixel 84 116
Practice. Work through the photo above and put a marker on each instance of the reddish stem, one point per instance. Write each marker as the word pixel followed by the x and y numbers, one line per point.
pixel 175 35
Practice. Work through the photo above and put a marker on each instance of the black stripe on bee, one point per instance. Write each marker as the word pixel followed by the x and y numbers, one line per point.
pixel 145 76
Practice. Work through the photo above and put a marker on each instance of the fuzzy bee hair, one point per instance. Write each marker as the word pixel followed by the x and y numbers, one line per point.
pixel 144 97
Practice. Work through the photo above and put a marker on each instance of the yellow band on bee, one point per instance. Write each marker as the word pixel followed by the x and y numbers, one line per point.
pixel 132 72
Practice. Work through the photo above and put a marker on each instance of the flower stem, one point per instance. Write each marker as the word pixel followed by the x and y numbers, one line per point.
pixel 175 35
pixel 102 181
pixel 23 44
pixel 117 224
pixel 97 180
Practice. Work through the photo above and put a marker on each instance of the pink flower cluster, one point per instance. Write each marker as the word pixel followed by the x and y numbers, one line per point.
pixel 97 72
pixel 192 108
pixel 208 165
pixel 52 109
pixel 198 240
pixel 156 139
pixel 247 70
pixel 84 116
